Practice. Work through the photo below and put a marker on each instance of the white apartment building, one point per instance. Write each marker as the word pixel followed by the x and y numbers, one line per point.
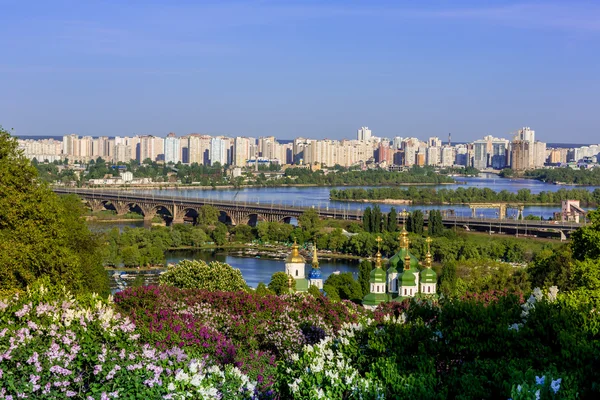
pixel 218 150
pixel 172 149
pixel 364 134
pixel 448 156
pixel 433 156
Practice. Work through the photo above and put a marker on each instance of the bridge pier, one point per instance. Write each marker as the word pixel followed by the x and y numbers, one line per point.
pixel 121 207
pixel 95 205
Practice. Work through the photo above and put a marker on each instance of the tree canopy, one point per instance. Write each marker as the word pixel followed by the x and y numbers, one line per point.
pixel 197 274
pixel 42 234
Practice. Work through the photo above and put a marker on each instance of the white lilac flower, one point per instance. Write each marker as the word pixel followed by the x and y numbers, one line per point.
pixel 540 381
pixel 537 294
pixel 514 327
pixel 555 385
pixel 537 394
pixel 552 293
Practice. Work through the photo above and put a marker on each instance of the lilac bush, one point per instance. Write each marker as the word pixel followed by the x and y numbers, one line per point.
pixel 56 346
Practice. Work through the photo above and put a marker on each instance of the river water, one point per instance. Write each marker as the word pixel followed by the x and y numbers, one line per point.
pixel 254 270
pixel 316 196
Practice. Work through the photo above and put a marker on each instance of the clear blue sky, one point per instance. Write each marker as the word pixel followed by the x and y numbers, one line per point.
pixel 301 68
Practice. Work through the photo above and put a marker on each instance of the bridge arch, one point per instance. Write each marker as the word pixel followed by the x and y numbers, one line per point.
pixel 255 218
pixel 290 219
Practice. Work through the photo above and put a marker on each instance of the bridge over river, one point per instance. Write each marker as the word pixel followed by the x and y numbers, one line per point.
pixel 179 209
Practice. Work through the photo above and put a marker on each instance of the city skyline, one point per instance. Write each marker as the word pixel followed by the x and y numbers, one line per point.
pixel 301 69
pixel 521 152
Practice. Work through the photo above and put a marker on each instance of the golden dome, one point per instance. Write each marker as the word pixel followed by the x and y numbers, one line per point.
pixel 295 256
pixel 404 239
pixel 315 260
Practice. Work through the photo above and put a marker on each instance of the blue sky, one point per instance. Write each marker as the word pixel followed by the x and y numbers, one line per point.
pixel 301 68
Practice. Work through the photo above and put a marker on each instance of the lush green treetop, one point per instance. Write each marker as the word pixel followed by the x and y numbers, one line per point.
pixel 42 234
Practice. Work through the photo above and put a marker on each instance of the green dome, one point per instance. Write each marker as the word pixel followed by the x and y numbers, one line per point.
pixel 407 278
pixel 378 275
pixel 428 275
pixel 397 261
pixel 374 299
pixel 392 270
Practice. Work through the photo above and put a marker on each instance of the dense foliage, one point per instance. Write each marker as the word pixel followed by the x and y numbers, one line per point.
pixel 42 234
pixel 486 347
pixel 197 274
pixel 566 175
pixel 465 195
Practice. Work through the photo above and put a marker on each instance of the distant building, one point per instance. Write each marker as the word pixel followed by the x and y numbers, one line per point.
pixel 172 149
pixel 364 134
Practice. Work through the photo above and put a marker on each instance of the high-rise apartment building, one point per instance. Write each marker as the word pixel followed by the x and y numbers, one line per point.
pixel 520 154
pixel 448 156
pixel 433 156
pixel 218 150
pixel 364 134
pixel 498 155
pixel 434 142
pixel 199 147
pixel 172 149
pixel 241 151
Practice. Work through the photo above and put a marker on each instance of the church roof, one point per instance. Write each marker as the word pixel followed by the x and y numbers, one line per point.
pixel 428 275
pixel 315 274
pixel 295 256
pixel 378 275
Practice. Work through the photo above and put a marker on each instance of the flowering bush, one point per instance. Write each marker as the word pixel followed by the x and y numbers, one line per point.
pixel 250 330
pixel 543 387
pixel 197 274
pixel 54 345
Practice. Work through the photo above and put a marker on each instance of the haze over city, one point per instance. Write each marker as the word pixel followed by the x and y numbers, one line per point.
pixel 311 69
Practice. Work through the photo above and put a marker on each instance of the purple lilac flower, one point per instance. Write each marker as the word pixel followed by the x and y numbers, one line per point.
pixel 23 311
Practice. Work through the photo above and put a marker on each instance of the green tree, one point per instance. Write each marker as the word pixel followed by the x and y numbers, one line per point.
pixel 367 219
pixel 435 225
pixel 310 222
pixel 448 280
pixel 243 233
pixel 197 274
pixel 280 283
pixel 364 274
pixel 131 256
pixel 585 241
pixel 343 286
pixel 208 215
pixel 376 219
pixel 42 234
pixel 219 234
pixel 263 290
pixel 392 220
pixel 314 291
pixel 416 222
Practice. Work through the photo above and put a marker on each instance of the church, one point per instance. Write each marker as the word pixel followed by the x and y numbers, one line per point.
pixel 403 278
pixel 294 268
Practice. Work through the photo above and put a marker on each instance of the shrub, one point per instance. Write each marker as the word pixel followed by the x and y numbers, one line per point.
pixel 215 276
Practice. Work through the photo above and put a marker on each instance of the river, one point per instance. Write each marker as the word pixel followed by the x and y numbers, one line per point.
pixel 254 270
pixel 318 196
